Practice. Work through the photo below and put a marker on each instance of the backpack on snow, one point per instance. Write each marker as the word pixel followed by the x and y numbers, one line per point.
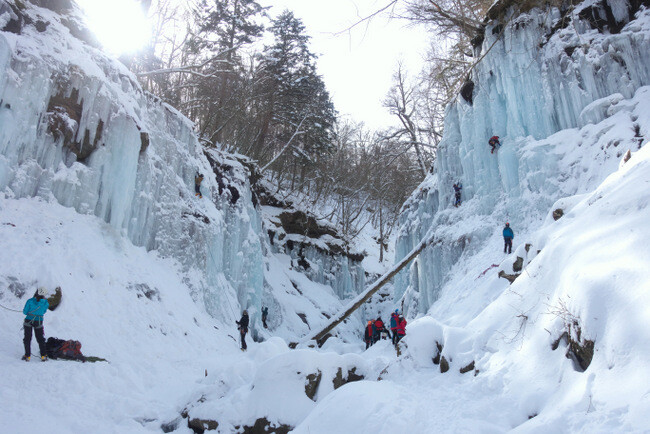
pixel 60 349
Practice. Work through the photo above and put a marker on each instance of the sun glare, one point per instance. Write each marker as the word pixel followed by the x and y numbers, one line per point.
pixel 120 25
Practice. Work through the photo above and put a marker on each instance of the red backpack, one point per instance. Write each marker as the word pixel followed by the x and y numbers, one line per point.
pixel 72 350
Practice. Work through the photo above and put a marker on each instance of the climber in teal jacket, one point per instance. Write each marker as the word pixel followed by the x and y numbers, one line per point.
pixel 508 235
pixel 34 310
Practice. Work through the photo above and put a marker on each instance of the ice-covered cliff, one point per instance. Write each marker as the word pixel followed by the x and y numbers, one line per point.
pixel 561 87
pixel 76 129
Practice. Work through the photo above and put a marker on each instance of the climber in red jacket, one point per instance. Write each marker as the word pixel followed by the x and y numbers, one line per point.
pixel 401 329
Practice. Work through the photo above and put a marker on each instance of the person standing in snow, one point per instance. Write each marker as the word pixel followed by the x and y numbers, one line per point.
pixel 401 329
pixel 379 328
pixel 265 314
pixel 367 336
pixel 494 142
pixel 457 188
pixel 198 179
pixel 242 324
pixel 34 310
pixel 508 235
pixel 394 318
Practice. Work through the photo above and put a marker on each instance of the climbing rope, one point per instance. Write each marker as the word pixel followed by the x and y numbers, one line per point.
pixel 13 310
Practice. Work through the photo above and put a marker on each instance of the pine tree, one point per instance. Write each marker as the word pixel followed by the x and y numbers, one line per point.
pixel 295 109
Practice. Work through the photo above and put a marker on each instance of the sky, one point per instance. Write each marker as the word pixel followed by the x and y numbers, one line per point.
pixel 358 65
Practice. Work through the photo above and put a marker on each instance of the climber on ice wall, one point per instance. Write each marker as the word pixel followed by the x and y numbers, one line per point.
pixel 494 143
pixel 198 178
pixel 457 188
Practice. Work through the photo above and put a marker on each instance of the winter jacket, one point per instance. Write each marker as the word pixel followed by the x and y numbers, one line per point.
pixel 370 329
pixel 198 179
pixel 393 321
pixel 243 323
pixel 401 327
pixel 458 187
pixel 366 336
pixel 35 309
pixel 507 232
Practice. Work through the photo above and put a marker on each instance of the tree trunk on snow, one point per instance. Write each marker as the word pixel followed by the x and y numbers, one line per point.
pixel 364 296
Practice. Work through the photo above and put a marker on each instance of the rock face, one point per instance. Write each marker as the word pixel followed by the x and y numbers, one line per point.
pixel 316 249
pixel 339 381
pixel 579 349
pixel 311 386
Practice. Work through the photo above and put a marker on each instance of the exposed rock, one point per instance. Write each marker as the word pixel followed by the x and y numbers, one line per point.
pixel 509 277
pixel 143 290
pixel 444 365
pixel 303 317
pixel 627 156
pixel 144 141
pixel 16 287
pixel 58 6
pixel 55 299
pixel 197 215
pixel 263 426
pixel 17 20
pixel 63 120
pixel 199 426
pixel 322 340
pixel 171 426
pixel 311 387
pixel 339 381
pixel 467 91
pixel 580 351
pixel 518 265
pixel 557 214
pixel 436 358
pixel 467 368
pixel 297 222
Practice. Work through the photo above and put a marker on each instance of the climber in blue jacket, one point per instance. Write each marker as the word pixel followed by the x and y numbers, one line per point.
pixel 34 310
pixel 508 235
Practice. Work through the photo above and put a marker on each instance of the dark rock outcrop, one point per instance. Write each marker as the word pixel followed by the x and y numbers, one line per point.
pixel 55 299
pixel 311 386
pixel 579 350
pixel 263 426
pixel 444 365
pixel 467 368
pixel 352 375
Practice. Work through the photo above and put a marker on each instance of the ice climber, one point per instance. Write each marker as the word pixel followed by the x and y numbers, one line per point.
pixel 265 314
pixel 494 142
pixel 508 235
pixel 198 179
pixel 401 329
pixel 457 188
pixel 379 329
pixel 394 318
pixel 35 308
pixel 367 337
pixel 242 325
